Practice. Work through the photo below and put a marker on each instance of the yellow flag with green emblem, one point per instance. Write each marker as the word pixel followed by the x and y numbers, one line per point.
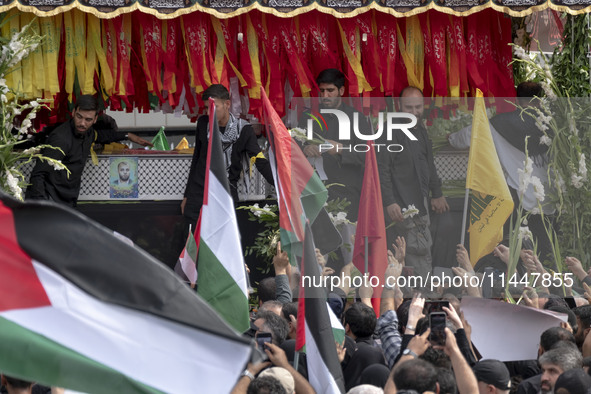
pixel 491 202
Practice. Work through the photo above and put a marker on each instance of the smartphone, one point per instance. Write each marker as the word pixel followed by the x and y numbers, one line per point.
pixel 435 306
pixel 437 325
pixel 262 338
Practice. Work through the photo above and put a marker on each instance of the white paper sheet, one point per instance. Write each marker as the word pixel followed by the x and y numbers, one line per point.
pixel 507 332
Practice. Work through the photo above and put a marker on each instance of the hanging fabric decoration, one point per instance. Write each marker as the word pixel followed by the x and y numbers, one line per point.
pixel 412 51
pixel 196 34
pixel 352 58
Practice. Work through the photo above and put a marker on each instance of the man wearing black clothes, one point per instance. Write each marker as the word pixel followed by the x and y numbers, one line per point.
pixel 74 140
pixel 239 143
pixel 409 177
pixel 341 163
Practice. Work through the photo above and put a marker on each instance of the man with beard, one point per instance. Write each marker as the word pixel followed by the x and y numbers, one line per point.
pixel 407 178
pixel 561 358
pixel 341 163
pixel 75 140
pixel 583 314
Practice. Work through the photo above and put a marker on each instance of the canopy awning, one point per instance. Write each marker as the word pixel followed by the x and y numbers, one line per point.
pixel 167 9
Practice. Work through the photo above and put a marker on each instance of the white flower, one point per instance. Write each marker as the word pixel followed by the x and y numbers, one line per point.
pixel 545 140
pixel 13 185
pixel 576 181
pixel 538 188
pixel 57 165
pixel 535 211
pixel 25 126
pixel 409 212
pixel 34 104
pixel 561 183
pixel 32 151
pixel 299 134
pixel 524 233
pixel 548 91
pixel 519 53
pixel 547 72
pixel 582 166
pixel 3 98
pixel 529 166
pixel 524 221
pixel 573 128
pixel 339 218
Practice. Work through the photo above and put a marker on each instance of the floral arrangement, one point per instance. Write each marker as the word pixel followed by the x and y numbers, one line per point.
pixel 565 123
pixel 14 129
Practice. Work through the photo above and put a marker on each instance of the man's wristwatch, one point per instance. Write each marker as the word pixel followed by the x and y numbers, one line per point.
pixel 406 352
pixel 247 374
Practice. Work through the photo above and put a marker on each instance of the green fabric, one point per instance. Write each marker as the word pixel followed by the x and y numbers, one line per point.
pixel 30 356
pixel 218 288
pixel 159 141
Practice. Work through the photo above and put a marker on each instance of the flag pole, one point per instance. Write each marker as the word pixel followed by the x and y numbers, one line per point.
pixel 366 255
pixel 463 235
pixel 296 360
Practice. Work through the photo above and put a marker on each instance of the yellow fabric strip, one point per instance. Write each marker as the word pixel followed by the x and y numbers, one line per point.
pixel 50 28
pixel 91 61
pixel 253 160
pixel 217 27
pixel 354 63
pixel 16 73
pixel 253 50
pixel 94 33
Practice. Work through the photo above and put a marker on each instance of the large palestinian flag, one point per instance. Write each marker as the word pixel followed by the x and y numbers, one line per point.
pixel 220 262
pixel 318 328
pixel 300 192
pixel 84 310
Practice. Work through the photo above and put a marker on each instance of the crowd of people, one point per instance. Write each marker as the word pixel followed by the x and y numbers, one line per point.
pixel 393 349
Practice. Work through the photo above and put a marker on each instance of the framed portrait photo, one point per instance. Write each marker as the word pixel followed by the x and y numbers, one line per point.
pixel 123 177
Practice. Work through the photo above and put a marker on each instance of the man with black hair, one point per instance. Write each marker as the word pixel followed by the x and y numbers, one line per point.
pixel 16 386
pixel 239 143
pixel 75 140
pixel 583 314
pixel 265 385
pixel 360 323
pixel 341 163
pixel 274 324
pixel 418 375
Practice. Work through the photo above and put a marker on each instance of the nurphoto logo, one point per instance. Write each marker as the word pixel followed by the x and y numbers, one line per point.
pixel 345 130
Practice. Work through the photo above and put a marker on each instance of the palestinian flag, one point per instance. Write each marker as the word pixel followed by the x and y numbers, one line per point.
pixel 188 259
pixel 84 310
pixel 220 262
pixel 318 328
pixel 300 192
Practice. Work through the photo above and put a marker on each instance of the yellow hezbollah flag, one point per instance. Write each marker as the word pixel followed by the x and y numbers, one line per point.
pixel 491 202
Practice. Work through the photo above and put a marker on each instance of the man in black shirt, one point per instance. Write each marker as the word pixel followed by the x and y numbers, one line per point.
pixel 342 164
pixel 406 178
pixel 75 139
pixel 239 143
